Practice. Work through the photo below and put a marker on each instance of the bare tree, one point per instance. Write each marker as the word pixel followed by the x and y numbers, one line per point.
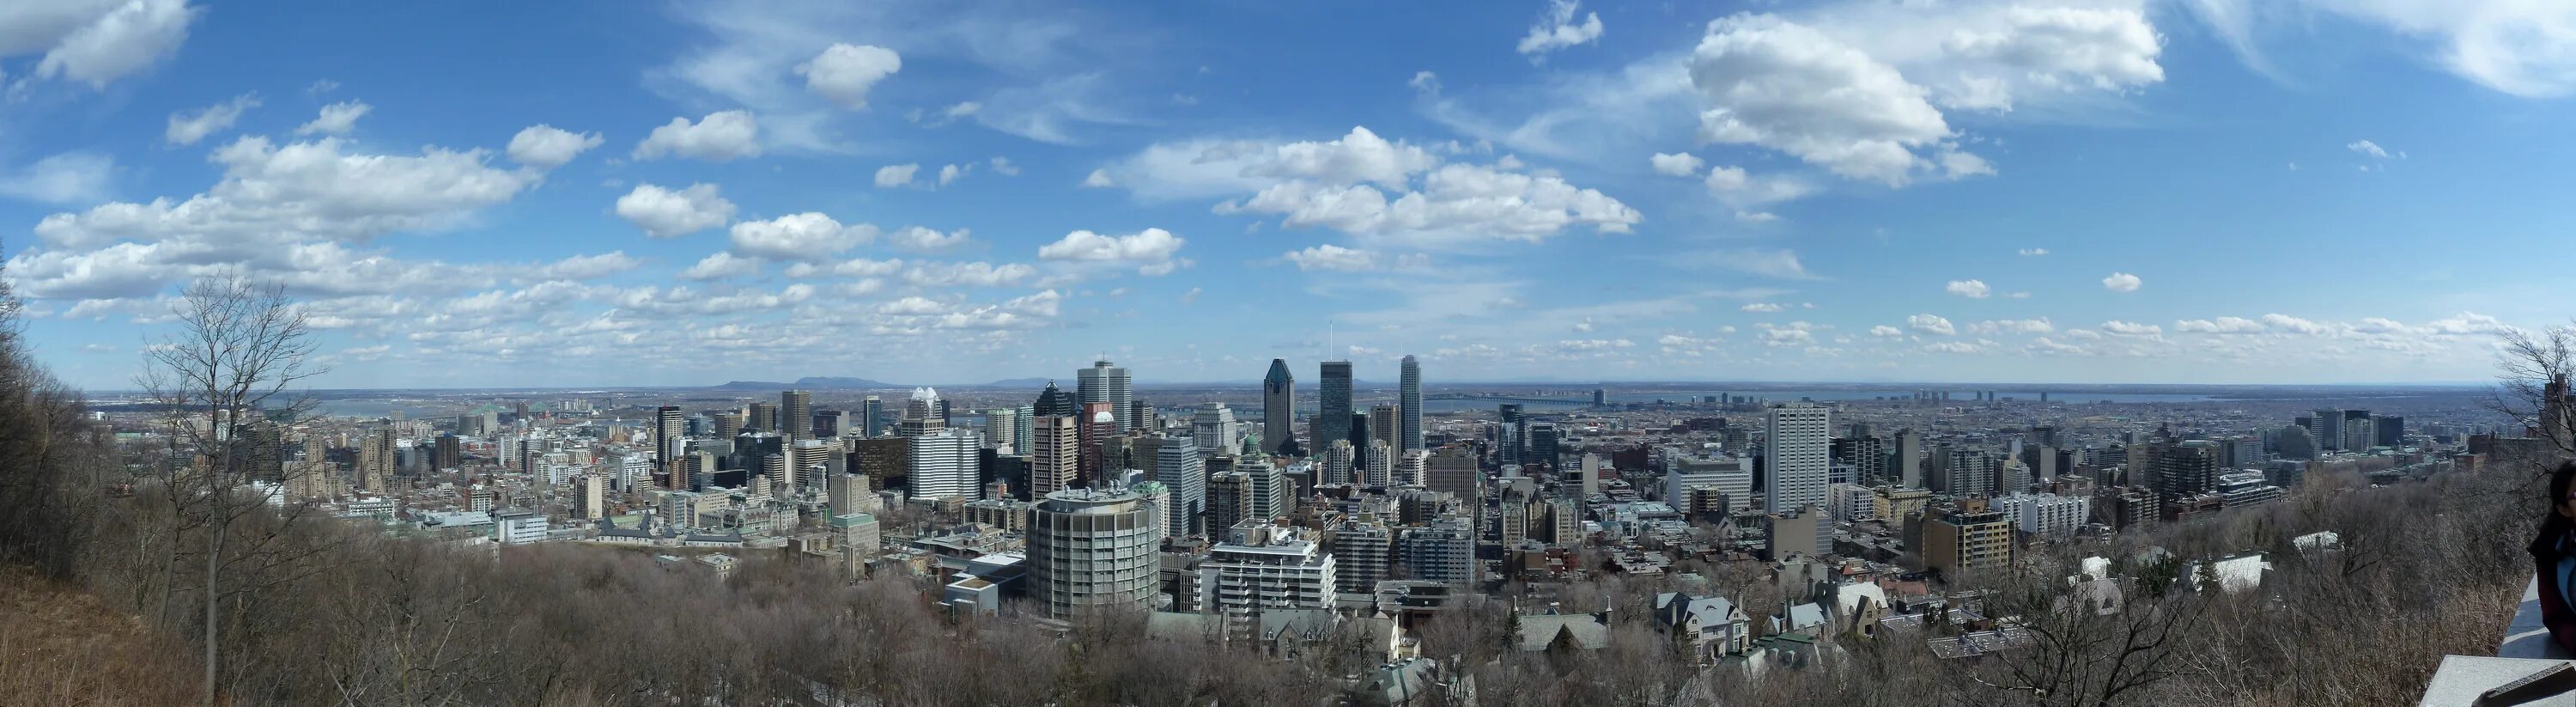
pixel 239 348
pixel 2527 367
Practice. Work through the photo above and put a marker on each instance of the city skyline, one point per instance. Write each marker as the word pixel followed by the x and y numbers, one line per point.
pixel 2063 191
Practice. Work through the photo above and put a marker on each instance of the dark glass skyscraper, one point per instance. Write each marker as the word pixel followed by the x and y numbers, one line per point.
pixel 1278 409
pixel 1054 401
pixel 1333 417
pixel 1408 402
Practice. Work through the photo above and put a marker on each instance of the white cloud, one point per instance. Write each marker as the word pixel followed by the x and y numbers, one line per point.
pixel 2367 148
pixel 336 119
pixel 2122 282
pixel 977 274
pixel 896 175
pixel 808 236
pixel 1098 179
pixel 845 72
pixel 2034 251
pixel 1788 337
pixel 1558 30
pixel 2013 326
pixel 2512 46
pixel 1886 332
pixel 272 194
pixel 1150 251
pixel 722 265
pixel 547 147
pixel 669 213
pixel 719 137
pixel 1971 289
pixel 1764 307
pixel 60 179
pixel 1930 324
pixel 1681 164
pixel 949 174
pixel 1003 166
pixel 2292 325
pixel 926 240
pixel 1333 258
pixel 1361 156
pixel 2120 328
pixel 94 41
pixel 1748 193
pixel 2221 325
pixel 1784 86
pixel 190 128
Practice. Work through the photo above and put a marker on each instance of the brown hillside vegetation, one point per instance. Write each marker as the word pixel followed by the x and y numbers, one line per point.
pixel 59 646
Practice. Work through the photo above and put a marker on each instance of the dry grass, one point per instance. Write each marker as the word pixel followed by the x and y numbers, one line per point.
pixel 59 646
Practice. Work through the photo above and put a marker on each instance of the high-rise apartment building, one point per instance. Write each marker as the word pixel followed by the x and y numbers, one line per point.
pixel 1408 398
pixel 1267 567
pixel 1093 552
pixel 1907 468
pixel 1797 459
pixel 1453 469
pixel 1278 409
pixel 1268 496
pixel 1442 551
pixel 796 412
pixel 1332 419
pixel 669 443
pixel 1365 553
pixel 1105 383
pixel 1959 542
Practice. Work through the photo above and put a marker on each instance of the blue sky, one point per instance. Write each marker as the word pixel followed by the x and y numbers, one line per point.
pixel 627 193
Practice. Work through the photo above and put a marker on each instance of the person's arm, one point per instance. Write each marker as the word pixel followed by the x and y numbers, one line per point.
pixel 2554 612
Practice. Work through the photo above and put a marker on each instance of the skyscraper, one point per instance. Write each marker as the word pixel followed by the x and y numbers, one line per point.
pixel 764 417
pixel 1105 383
pixel 1797 457
pixel 1908 470
pixel 796 412
pixel 2328 429
pixel 1384 426
pixel 1278 409
pixel 1178 466
pixel 1002 428
pixel 1333 416
pixel 1408 398
pixel 1055 454
pixel 871 417
pixel 668 444
pixel 1054 401
pixel 945 465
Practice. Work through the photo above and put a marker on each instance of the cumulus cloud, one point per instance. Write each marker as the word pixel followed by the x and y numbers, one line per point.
pixel 722 265
pixel 1003 166
pixel 2013 326
pixel 896 175
pixel 2221 325
pixel 669 213
pixel 806 236
pixel 1971 289
pixel 845 72
pixel 336 119
pixel 949 174
pixel 1886 332
pixel 95 41
pixel 1784 86
pixel 189 128
pixel 927 240
pixel 2122 282
pixel 547 147
pixel 2120 328
pixel 1371 187
pixel 1930 324
pixel 1762 307
pixel 1098 179
pixel 1779 263
pixel 1150 251
pixel 719 137
pixel 1748 193
pixel 1332 258
pixel 2034 251
pixel 1558 30
pixel 1682 164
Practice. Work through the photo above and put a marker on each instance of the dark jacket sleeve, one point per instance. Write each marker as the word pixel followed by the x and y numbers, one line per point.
pixel 2554 611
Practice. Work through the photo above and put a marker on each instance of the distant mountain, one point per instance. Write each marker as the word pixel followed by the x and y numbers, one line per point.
pixel 1017 383
pixel 808 382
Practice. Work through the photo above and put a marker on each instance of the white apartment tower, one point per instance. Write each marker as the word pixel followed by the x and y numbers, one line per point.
pixel 1797 452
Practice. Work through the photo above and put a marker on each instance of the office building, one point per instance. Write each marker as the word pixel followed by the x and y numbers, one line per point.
pixel 1512 435
pixel 2326 429
pixel 449 453
pixel 1339 463
pixel 1542 444
pixel 1908 468
pixel 1279 410
pixel 1107 384
pixel 1453 469
pixel 920 414
pixel 669 442
pixel 1408 398
pixel 1442 551
pixel 945 464
pixel 1332 419
pixel 1797 460
pixel 872 414
pixel 1229 499
pixel 1268 496
pixel 2391 430
pixel 1055 455
pixel 1215 429
pixel 1093 552
pixel 764 417
pixel 796 411
pixel 1382 427
pixel 1178 466
pixel 1364 554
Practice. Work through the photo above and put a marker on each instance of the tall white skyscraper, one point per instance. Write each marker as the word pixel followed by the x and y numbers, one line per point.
pixel 1797 457
pixel 944 464
pixel 1408 398
pixel 1105 383
pixel 1178 466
